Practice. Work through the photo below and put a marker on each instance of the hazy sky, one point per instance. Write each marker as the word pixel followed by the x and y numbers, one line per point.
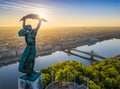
pixel 62 12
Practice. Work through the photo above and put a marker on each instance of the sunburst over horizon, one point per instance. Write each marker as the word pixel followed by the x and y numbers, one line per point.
pixel 62 13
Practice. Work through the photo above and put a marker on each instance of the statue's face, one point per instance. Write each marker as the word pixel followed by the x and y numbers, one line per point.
pixel 28 27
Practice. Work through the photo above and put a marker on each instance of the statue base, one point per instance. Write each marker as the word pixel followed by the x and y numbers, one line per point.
pixel 31 81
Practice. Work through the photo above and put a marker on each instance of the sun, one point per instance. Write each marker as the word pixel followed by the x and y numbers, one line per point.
pixel 42 15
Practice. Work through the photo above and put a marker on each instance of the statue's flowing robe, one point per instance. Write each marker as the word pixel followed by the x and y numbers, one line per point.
pixel 28 57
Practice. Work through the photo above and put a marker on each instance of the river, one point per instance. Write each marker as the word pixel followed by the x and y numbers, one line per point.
pixel 9 74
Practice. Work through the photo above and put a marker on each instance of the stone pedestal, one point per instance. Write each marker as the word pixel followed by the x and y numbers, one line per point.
pixel 31 81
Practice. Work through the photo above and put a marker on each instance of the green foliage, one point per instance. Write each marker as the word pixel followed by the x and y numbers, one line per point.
pixel 93 85
pixel 63 75
pixel 46 79
pixel 103 74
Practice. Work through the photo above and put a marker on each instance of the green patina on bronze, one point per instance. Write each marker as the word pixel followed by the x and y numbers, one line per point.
pixel 27 60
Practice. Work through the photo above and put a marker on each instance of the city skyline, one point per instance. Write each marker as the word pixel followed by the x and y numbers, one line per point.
pixel 62 12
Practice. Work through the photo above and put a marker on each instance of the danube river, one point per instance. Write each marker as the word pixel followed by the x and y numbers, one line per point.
pixel 9 74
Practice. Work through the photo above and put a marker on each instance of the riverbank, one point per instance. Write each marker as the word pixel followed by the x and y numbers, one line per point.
pixel 117 57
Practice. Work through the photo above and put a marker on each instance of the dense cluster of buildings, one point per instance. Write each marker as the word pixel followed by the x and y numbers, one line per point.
pixel 50 41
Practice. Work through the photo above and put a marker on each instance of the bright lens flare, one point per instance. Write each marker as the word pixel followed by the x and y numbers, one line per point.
pixel 42 15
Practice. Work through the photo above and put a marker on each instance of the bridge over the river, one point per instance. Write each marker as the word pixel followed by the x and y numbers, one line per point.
pixel 92 54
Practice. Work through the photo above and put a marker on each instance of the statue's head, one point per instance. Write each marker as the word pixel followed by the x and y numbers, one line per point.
pixel 28 27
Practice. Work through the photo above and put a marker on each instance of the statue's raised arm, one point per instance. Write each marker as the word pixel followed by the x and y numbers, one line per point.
pixel 33 16
pixel 24 23
pixel 37 28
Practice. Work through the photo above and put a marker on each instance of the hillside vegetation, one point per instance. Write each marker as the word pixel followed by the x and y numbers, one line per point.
pixel 103 74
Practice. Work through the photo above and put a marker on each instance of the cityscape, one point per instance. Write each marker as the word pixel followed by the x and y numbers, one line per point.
pixel 59 44
pixel 13 46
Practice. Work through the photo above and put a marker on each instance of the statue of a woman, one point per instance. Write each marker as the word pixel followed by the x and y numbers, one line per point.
pixel 27 60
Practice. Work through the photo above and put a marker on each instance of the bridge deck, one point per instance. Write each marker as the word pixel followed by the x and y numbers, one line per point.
pixel 80 56
pixel 89 53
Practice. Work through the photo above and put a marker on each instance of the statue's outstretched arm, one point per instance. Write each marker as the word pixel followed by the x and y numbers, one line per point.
pixel 24 23
pixel 37 28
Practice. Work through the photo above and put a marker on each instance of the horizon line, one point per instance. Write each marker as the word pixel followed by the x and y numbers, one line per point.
pixel 57 26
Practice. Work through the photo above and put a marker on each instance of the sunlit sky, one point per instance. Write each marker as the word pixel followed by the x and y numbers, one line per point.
pixel 62 12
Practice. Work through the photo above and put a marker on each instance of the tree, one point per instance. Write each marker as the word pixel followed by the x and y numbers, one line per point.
pixel 46 79
pixel 93 85
pixel 61 75
pixel 103 74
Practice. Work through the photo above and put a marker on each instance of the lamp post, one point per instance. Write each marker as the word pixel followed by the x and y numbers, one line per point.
pixel 52 72
pixel 87 80
pixel 68 75
pixel 74 78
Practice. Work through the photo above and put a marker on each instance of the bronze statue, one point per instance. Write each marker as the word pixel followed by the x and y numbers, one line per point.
pixel 27 60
